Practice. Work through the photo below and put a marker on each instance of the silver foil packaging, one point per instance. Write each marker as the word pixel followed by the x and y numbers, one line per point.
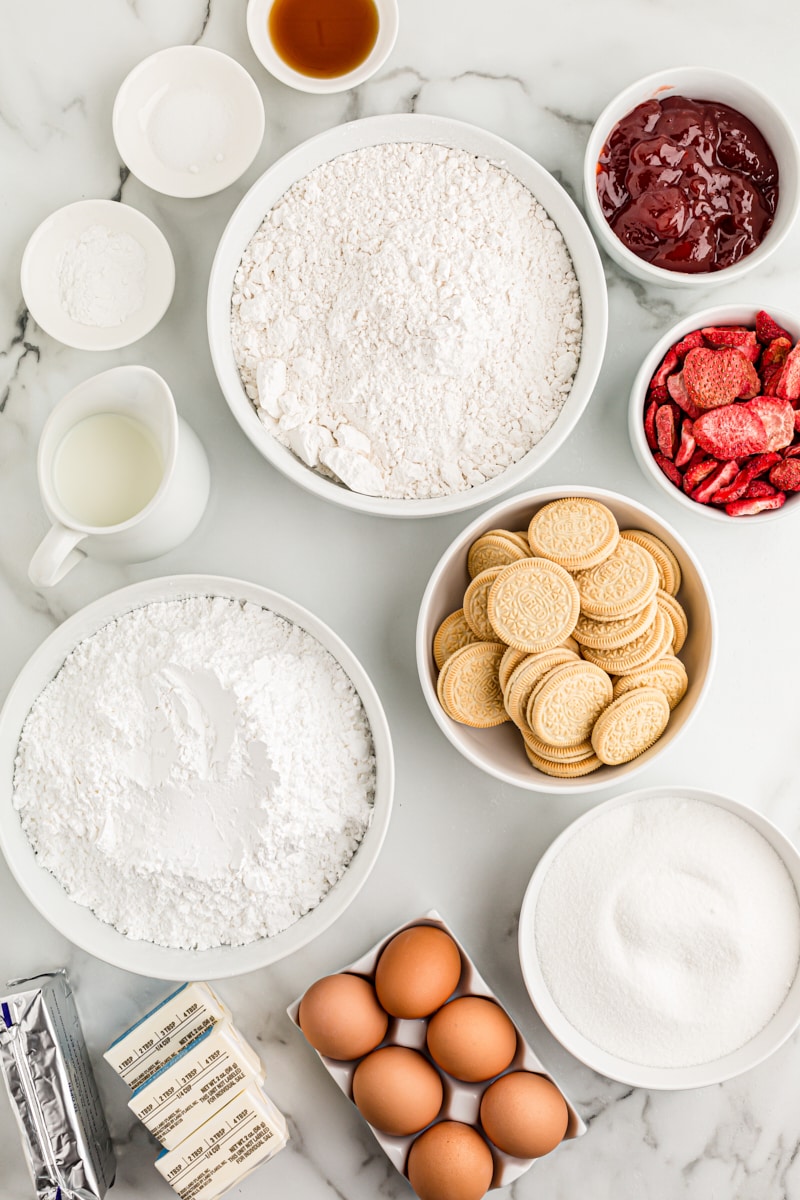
pixel 46 1068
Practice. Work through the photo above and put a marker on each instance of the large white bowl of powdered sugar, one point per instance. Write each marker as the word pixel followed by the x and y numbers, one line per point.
pixel 659 938
pixel 407 315
pixel 197 777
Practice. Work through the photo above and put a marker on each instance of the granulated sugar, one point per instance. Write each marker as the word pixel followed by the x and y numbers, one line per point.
pixel 407 320
pixel 199 773
pixel 668 931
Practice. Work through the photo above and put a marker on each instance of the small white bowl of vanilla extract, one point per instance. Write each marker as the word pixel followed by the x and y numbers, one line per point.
pixel 322 46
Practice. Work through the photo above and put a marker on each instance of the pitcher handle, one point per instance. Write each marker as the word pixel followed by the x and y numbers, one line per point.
pixel 55 556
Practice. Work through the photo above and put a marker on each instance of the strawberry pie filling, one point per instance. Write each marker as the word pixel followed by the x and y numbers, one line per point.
pixel 688 185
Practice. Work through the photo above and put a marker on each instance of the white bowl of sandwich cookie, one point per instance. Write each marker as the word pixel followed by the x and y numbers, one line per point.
pixel 646 671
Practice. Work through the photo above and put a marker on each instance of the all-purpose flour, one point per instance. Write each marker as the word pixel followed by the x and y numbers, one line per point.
pixel 199 773
pixel 407 319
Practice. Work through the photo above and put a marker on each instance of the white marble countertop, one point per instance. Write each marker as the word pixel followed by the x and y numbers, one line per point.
pixel 458 841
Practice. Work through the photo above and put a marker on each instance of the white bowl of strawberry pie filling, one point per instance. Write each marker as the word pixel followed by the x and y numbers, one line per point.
pixel 714 413
pixel 691 178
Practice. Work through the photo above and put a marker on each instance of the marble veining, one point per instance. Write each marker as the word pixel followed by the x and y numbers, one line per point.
pixel 459 840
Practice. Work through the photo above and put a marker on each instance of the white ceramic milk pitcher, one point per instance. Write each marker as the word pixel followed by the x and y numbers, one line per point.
pixel 165 481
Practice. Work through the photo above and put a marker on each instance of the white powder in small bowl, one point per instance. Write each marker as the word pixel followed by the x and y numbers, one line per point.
pixel 407 320
pixel 101 277
pixel 199 773
pixel 668 931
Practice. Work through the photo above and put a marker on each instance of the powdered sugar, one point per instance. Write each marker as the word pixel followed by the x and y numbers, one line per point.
pixel 407 319
pixel 199 773
pixel 101 277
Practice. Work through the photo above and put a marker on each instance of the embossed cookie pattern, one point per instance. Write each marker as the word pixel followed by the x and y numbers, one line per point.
pixel 573 637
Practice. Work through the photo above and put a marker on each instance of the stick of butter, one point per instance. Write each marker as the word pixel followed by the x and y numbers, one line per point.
pixel 196 1084
pixel 242 1135
pixel 176 1022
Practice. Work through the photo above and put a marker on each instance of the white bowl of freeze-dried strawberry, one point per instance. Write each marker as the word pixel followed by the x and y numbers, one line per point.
pixel 714 414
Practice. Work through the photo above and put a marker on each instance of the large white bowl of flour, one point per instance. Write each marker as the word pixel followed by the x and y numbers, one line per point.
pixel 226 770
pixel 416 339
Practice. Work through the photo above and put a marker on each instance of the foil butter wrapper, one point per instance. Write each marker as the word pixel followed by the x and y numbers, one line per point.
pixel 54 1097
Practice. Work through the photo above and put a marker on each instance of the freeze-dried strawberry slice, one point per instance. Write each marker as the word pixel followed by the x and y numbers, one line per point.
pixel 659 394
pixel 772 360
pixel 757 489
pixel 734 491
pixel 719 478
pixel 786 475
pixel 749 508
pixel 750 379
pixel 670 470
pixel 778 417
pixel 788 385
pixel 754 467
pixel 792 452
pixel 767 328
pixel 692 341
pixel 775 352
pixel 731 432
pixel 761 463
pixel 797 421
pixel 709 381
pixel 717 377
pixel 677 390
pixel 696 472
pixel 735 336
pixel 769 380
pixel 698 456
pixel 669 364
pixel 688 445
pixel 650 425
pixel 667 425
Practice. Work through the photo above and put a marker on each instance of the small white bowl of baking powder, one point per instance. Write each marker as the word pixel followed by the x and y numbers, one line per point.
pixel 659 938
pixel 97 275
pixel 188 121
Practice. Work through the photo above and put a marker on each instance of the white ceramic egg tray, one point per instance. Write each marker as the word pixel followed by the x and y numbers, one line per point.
pixel 461 1100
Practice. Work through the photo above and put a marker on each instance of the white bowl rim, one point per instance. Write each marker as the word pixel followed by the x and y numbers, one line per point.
pixel 720 314
pixel 257 30
pixel 248 91
pixel 540 782
pixel 89 337
pixel 398 128
pixel 102 939
pixel 631 262
pixel 609 1065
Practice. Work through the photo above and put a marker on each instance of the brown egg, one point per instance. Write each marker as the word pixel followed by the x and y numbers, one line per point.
pixel 341 1017
pixel 472 1038
pixel 524 1114
pixel 450 1161
pixel 397 1090
pixel 417 971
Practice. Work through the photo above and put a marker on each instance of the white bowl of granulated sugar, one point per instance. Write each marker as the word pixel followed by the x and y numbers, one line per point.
pixel 659 938
pixel 196 777
pixel 407 315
